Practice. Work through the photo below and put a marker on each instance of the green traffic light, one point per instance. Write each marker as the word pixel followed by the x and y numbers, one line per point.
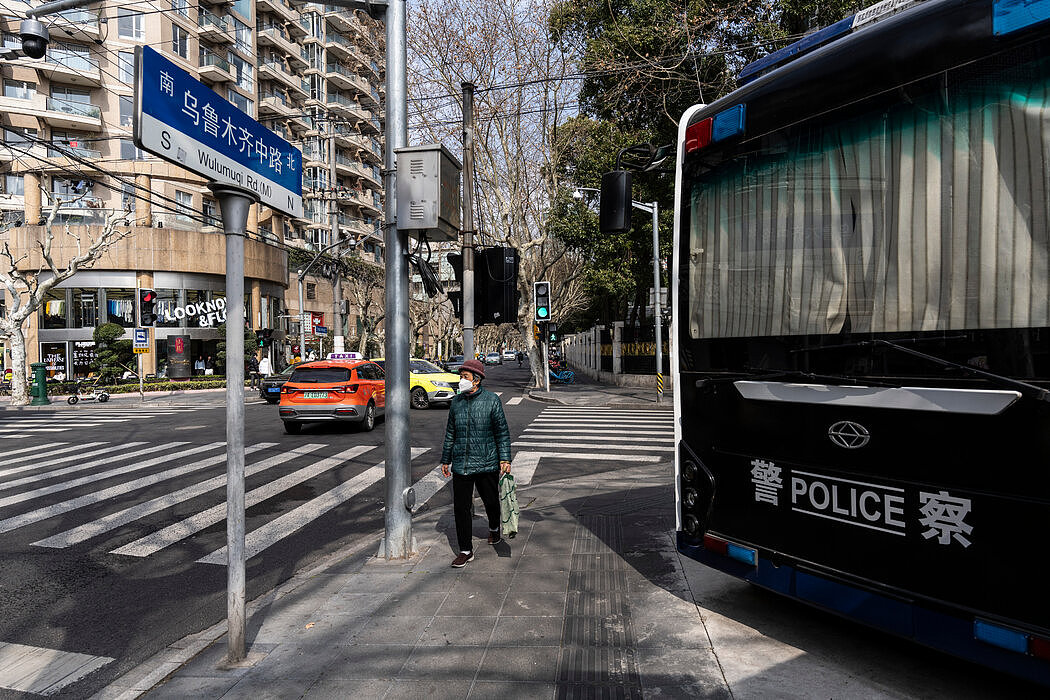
pixel 541 312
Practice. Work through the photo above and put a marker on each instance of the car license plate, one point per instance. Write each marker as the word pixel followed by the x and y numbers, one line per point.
pixel 273 389
pixel 315 394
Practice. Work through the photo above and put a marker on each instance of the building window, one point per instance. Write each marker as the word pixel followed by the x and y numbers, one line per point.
pixel 240 101
pixel 243 35
pixel 181 6
pixel 126 66
pixel 183 206
pixel 243 70
pixel 129 25
pixel 127 111
pixel 14 184
pixel 73 56
pixel 127 197
pixel 128 151
pixel 120 307
pixel 85 308
pixel 243 8
pixel 311 290
pixel 21 89
pixel 180 41
pixel 211 213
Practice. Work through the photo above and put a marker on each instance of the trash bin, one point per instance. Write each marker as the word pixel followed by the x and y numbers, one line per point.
pixel 38 390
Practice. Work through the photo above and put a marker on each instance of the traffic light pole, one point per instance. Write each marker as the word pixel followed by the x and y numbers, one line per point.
pixel 468 221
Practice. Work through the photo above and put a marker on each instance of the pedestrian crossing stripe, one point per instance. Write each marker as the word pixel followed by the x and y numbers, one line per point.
pixel 585 445
pixel 604 439
pixel 592 431
pixel 41 671
pixel 294 520
pixel 70 458
pixel 36 450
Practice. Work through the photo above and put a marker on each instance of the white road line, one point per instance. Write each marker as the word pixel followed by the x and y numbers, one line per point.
pixel 36 449
pixel 498 393
pixel 592 431
pixel 35 429
pixel 43 671
pixel 515 401
pixel 119 471
pixel 145 546
pixel 60 460
pixel 629 448
pixel 605 439
pixel 141 510
pixel 604 421
pixel 91 499
pixel 294 520
pixel 525 463
pixel 15 435
pixel 51 423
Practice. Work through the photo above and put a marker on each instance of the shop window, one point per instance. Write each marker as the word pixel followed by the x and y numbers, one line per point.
pixel 167 301
pixel 311 290
pixel 85 308
pixel 120 307
pixel 53 355
pixel 53 311
pixel 82 354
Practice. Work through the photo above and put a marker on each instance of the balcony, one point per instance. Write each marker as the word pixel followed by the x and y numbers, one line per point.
pixel 216 69
pixel 338 45
pixel 216 3
pixel 299 28
pixel 66 67
pixel 300 87
pixel 64 114
pixel 343 78
pixel 341 18
pixel 279 8
pixel 214 28
pixel 274 70
pixel 313 158
pixel 275 36
pixel 76 24
pixel 275 103
pixel 348 107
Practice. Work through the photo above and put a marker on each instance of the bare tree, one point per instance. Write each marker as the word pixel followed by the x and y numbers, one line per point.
pixel 26 288
pixel 365 285
pixel 523 91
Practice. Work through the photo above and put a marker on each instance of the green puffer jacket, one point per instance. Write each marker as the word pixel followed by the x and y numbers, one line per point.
pixel 477 438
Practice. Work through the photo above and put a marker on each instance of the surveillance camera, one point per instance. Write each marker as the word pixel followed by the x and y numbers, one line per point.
pixel 34 38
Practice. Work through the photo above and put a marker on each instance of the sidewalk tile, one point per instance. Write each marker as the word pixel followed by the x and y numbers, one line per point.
pixel 493 582
pixel 545 562
pixel 458 631
pixel 342 689
pixel 540 581
pixel 534 664
pixel 464 603
pixel 507 690
pixel 209 663
pixel 368 662
pixel 533 603
pixel 411 604
pixel 690 691
pixel 443 663
pixel 438 580
pixel 670 668
pixel 428 689
pixel 179 688
pixel 615 665
pixel 527 631
pixel 350 605
pixel 608 631
pixel 670 633
pixel 298 662
pixel 390 630
pixel 255 688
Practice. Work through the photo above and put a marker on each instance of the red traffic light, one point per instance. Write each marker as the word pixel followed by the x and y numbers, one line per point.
pixel 148 295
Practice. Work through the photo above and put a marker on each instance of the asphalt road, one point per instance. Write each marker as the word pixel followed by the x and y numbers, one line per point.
pixel 70 499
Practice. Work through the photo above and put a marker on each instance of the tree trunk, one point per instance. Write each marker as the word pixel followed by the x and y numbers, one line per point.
pixel 534 352
pixel 19 392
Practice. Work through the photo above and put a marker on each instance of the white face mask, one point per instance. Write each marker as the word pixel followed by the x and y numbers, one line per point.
pixel 465 385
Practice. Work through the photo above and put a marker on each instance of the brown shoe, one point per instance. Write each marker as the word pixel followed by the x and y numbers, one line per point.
pixel 461 560
pixel 494 538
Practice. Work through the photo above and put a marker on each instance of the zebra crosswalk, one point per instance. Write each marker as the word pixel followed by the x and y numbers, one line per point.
pixel 593 434
pixel 112 489
pixel 17 426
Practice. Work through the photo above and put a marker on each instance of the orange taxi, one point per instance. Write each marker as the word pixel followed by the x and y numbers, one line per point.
pixel 343 387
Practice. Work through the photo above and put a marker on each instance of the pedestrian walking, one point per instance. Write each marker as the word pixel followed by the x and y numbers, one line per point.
pixel 265 370
pixel 251 366
pixel 475 453
pixel 209 365
pixel 198 365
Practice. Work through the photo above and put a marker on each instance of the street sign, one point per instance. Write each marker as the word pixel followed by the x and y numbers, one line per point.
pixel 185 122
pixel 320 330
pixel 141 339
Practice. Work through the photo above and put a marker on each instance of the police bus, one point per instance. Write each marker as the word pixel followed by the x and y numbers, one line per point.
pixel 862 326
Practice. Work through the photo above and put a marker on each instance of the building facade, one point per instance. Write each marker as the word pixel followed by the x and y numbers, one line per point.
pixel 311 73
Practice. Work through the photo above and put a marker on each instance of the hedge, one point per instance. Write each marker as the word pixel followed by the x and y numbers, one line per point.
pixel 66 388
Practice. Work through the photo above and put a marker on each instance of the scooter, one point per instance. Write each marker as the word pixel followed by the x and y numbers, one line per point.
pixel 80 394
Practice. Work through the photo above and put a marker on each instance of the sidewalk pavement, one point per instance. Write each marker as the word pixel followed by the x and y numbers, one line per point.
pixel 591 599
pixel 586 392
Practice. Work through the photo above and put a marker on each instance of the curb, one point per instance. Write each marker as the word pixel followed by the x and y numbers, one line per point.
pixel 610 403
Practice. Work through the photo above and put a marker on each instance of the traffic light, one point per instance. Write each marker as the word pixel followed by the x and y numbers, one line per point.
pixel 541 297
pixel 264 335
pixel 552 333
pixel 147 307
pixel 614 207
pixel 496 295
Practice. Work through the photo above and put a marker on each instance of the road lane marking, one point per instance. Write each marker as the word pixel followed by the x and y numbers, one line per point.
pixel 119 471
pixel 515 401
pixel 604 421
pixel 294 520
pixel 524 465
pixel 60 460
pixel 36 450
pixel 141 510
pixel 592 431
pixel 43 671
pixel 629 448
pixel 145 546
pixel 549 434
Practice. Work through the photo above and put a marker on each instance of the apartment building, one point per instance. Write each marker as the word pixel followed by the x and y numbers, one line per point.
pixel 310 72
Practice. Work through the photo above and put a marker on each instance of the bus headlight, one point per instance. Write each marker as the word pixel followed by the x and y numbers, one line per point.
pixel 691 525
pixel 690 498
pixel 689 470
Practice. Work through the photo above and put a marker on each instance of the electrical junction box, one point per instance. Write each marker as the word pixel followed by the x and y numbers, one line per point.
pixel 428 192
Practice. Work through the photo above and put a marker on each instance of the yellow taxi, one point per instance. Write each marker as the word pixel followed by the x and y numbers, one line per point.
pixel 343 387
pixel 429 383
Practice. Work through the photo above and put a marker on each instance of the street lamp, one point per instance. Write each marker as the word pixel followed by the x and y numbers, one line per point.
pixel 652 208
pixel 301 274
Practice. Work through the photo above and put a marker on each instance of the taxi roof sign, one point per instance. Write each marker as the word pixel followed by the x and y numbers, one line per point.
pixel 345 356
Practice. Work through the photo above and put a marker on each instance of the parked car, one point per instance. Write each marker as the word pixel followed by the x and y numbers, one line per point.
pixel 453 364
pixel 270 386
pixel 429 384
pixel 493 358
pixel 347 391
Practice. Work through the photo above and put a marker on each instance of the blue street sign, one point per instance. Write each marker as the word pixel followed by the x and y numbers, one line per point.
pixel 187 123
pixel 320 330
pixel 141 338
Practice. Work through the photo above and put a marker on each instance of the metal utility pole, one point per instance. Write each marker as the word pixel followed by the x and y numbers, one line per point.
pixel 234 203
pixel 302 317
pixel 468 220
pixel 656 305
pixel 337 284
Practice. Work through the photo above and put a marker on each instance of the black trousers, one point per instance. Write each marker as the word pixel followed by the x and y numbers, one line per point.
pixel 463 485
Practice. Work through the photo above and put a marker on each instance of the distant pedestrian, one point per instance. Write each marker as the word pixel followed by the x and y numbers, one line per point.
pixel 209 365
pixel 521 357
pixel 475 453
pixel 252 368
pixel 265 370
pixel 198 365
